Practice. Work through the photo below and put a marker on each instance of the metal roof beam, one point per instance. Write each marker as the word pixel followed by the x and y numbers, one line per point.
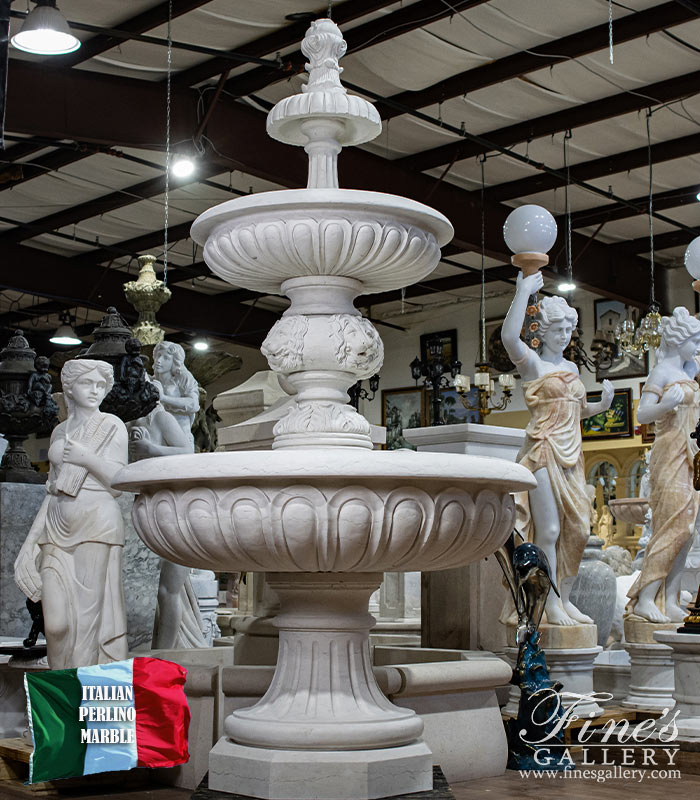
pixel 585 114
pixel 627 28
pixel 280 39
pixel 615 164
pixel 386 27
pixel 673 198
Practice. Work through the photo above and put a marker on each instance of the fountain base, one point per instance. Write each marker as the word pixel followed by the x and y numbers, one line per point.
pixel 310 774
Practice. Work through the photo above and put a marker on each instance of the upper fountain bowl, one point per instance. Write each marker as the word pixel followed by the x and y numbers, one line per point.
pixel 261 240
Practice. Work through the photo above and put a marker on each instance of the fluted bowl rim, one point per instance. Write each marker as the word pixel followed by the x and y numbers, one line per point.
pixel 322 464
pixel 358 202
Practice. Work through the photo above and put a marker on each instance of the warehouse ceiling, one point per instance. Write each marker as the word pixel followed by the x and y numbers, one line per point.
pixel 520 90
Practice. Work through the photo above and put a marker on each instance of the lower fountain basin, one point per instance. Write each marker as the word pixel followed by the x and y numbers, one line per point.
pixel 324 510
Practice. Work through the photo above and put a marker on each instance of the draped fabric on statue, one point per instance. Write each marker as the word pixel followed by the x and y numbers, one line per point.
pixel 553 442
pixel 81 559
pixel 673 500
pixel 189 632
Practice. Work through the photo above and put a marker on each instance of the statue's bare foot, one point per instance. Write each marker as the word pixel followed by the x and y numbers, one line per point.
pixel 557 616
pixel 675 613
pixel 649 610
pixel 577 615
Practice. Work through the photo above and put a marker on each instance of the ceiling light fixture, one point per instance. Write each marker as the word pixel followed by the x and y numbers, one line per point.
pixel 65 334
pixel 566 286
pixel 182 167
pixel 201 344
pixel 45 32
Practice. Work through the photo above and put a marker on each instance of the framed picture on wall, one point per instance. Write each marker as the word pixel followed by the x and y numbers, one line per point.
pixel 608 315
pixel 448 339
pixel 647 430
pixel 402 408
pixel 495 351
pixel 615 423
pixel 453 410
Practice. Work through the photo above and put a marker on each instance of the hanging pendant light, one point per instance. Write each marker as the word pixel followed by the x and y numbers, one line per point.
pixel 647 335
pixel 45 32
pixel 65 334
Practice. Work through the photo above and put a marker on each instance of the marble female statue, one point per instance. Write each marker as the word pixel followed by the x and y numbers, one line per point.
pixel 555 515
pixel 180 395
pixel 72 557
pixel 671 399
pixel 178 622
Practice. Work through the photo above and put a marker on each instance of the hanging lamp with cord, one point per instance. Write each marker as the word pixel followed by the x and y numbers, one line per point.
pixel 647 334
pixel 168 154
pixel 604 351
pixel 485 401
pixel 568 284
pixel 65 333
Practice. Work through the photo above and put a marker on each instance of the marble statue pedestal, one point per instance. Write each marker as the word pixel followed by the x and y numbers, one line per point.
pixel 570 651
pixel 651 666
pixel 686 673
pixel 461 607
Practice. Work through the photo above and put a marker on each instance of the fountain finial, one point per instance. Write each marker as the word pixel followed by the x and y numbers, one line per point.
pixel 323 118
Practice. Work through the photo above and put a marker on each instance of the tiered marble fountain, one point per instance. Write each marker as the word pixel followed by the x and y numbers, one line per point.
pixel 322 513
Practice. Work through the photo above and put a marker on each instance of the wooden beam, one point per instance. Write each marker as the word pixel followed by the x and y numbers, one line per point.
pixel 615 164
pixel 585 114
pixel 627 28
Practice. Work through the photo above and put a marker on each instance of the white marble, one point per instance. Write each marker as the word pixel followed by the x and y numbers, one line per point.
pixel 469 438
pixel 322 512
pixel 556 517
pixel 313 774
pixel 611 673
pixel 261 391
pixel 71 559
pixel 686 673
pixel 651 677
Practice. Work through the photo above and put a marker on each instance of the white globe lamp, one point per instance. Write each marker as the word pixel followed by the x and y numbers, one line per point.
pixel 530 232
pixel 692 262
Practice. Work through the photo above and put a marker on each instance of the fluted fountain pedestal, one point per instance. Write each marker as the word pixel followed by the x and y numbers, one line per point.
pixel 323 698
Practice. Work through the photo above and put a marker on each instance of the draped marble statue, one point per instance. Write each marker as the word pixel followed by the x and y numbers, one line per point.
pixel 671 399
pixel 178 622
pixel 72 557
pixel 555 515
